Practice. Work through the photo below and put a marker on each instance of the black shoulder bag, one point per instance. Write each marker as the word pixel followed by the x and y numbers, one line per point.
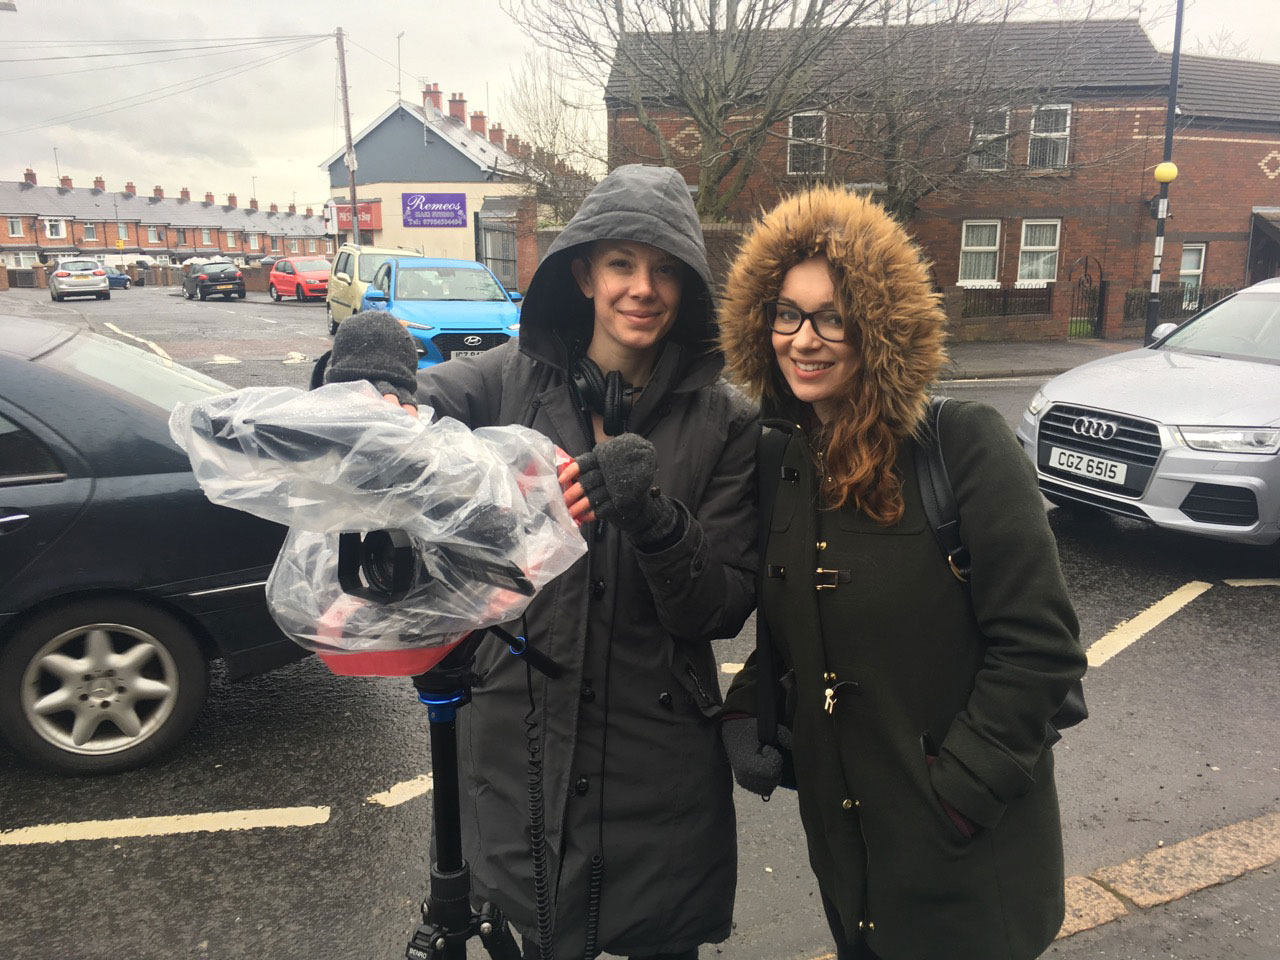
pixel 939 501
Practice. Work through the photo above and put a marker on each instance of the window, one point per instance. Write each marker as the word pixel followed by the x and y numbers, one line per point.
pixel 343 265
pixel 1050 131
pixel 91 231
pixel 275 243
pixel 311 245
pixel 231 238
pixel 15 226
pixel 205 238
pixel 979 248
pixel 990 136
pixel 293 246
pixel 328 245
pixel 153 234
pixel 253 241
pixel 806 150
pixel 163 258
pixel 1038 259
pixel 180 236
pixel 122 231
pixel 22 456
pixel 55 229
pixel 1191 274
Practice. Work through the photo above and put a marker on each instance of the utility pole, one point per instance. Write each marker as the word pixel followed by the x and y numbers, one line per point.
pixel 350 158
pixel 1165 173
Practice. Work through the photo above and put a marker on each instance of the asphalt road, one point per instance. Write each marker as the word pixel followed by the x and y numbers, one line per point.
pixel 1182 739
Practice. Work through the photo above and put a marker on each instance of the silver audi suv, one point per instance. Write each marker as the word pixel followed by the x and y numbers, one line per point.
pixel 1184 433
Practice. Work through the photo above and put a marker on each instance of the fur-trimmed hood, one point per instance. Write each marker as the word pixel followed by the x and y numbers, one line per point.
pixel 882 285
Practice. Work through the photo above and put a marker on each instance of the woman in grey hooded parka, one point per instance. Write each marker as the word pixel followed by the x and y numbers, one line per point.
pixel 640 831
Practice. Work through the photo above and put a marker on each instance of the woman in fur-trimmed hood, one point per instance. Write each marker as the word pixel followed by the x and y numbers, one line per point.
pixel 917 704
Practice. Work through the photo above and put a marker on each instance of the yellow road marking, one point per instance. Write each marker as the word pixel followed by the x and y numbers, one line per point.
pixel 1252 583
pixel 402 792
pixel 165 826
pixel 731 668
pixel 1129 631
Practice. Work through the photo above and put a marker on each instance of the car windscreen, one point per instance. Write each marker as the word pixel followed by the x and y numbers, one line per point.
pixel 78 265
pixel 446 283
pixel 215 266
pixel 310 265
pixel 154 380
pixel 369 264
pixel 1246 326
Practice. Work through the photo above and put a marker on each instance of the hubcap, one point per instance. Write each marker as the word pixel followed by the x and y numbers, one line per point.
pixel 99 689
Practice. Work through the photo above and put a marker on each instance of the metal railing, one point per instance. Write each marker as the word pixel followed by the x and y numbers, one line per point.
pixel 1176 301
pixel 1005 302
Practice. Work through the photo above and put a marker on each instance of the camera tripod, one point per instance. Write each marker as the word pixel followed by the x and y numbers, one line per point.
pixel 448 919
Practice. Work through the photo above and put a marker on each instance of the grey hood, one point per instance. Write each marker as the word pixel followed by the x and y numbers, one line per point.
pixel 644 204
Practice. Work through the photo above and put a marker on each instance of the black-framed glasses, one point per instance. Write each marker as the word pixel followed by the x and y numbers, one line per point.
pixel 787 319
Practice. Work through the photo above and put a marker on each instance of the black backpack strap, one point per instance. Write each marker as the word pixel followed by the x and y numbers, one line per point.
pixel 769 454
pixel 936 495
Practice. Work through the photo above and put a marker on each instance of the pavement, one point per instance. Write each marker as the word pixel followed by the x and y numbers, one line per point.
pixel 984 361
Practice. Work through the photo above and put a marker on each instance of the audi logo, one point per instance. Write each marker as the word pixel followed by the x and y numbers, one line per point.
pixel 1091 427
pixel 474 341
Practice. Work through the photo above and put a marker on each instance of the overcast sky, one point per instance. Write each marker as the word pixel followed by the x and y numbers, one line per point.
pixel 279 120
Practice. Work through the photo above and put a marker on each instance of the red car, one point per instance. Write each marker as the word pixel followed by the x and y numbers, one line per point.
pixel 301 277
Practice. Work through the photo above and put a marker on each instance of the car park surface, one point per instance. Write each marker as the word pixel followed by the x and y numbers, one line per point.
pixel 119 580
pixel 453 308
pixel 1184 434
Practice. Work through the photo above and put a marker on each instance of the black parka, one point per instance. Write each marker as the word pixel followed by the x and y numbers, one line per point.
pixel 891 659
pixel 632 768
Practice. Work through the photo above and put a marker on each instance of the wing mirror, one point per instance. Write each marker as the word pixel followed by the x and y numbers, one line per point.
pixel 1162 331
pixel 342 276
pixel 375 296
pixel 515 297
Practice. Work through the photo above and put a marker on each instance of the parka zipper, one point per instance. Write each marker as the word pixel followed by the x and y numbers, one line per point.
pixel 702 691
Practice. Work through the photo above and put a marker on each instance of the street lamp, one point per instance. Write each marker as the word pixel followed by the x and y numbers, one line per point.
pixel 1165 173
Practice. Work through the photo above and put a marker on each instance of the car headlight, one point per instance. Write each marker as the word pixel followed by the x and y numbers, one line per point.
pixel 1038 402
pixel 1232 439
pixel 514 326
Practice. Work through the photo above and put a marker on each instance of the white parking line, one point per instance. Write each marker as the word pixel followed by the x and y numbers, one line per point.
pixel 165 826
pixel 222 358
pixel 731 668
pixel 1252 583
pixel 154 346
pixel 402 792
pixel 295 357
pixel 1130 631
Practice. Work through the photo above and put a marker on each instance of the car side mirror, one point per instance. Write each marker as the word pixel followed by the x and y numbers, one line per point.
pixel 342 276
pixel 515 297
pixel 376 295
pixel 1162 331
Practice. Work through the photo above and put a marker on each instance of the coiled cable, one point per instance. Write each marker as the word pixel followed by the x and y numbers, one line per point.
pixel 538 830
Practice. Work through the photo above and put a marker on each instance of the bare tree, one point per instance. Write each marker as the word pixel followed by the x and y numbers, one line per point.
pixel 1224 43
pixel 729 69
pixel 561 138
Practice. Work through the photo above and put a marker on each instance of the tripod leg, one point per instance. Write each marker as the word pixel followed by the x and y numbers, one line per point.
pixel 496 935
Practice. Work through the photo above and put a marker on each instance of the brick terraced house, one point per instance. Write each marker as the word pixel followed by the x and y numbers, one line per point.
pixel 1057 185
pixel 46 224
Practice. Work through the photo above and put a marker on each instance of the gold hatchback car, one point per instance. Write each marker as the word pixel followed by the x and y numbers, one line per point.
pixel 353 268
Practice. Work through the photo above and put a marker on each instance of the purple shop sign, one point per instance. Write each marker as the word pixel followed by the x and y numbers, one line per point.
pixel 434 209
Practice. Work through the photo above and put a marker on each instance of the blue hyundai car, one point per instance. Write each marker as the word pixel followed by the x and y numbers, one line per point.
pixel 454 308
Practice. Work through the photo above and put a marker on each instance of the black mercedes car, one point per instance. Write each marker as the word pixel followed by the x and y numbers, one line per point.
pixel 119 580
pixel 213 278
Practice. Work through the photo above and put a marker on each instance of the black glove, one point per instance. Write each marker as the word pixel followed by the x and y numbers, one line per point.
pixel 373 346
pixel 756 766
pixel 617 477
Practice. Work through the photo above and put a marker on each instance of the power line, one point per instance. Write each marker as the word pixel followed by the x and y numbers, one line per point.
pixel 145 98
pixel 377 57
pixel 108 43
pixel 127 66
pixel 133 53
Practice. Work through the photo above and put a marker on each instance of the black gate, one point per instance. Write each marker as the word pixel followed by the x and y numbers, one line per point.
pixel 496 246
pixel 1088 298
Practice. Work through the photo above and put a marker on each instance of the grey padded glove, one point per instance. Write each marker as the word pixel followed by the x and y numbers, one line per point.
pixel 617 477
pixel 373 346
pixel 756 766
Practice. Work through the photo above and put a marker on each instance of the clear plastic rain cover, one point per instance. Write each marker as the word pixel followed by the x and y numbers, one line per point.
pixel 482 508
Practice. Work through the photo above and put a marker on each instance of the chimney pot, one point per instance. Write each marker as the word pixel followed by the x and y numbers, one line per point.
pixel 99 183
pixel 158 191
pixel 208 198
pixel 253 203
pixel 231 199
pixel 274 209
pixel 431 92
pixel 293 208
pixel 64 182
pixel 309 212
pixel 458 108
pixel 29 176
pixel 496 136
pixel 184 193
pixel 130 189
pixel 478 123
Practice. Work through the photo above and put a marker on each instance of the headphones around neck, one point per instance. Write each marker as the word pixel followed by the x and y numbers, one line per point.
pixel 605 394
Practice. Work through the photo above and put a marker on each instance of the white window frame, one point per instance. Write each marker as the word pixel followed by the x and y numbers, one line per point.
pixel 1064 136
pixel 231 238
pixel 49 225
pixel 275 244
pixel 253 241
pixel 294 246
pixel 819 141
pixel 163 258
pixel 988 283
pixel 311 245
pixel 206 238
pixel 1183 273
pixel 978 140
pixel 122 231
pixel 26 259
pixel 153 234
pixel 91 231
pixel 19 231
pixel 1023 248
pixel 328 246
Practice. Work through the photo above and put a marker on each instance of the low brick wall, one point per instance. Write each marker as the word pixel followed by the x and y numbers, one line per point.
pixel 4 277
pixel 255 279
pixel 1028 326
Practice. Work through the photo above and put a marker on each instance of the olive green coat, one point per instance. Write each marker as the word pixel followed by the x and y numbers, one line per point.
pixel 920 663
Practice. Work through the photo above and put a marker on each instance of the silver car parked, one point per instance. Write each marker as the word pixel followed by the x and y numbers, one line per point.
pixel 79 278
pixel 1184 433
